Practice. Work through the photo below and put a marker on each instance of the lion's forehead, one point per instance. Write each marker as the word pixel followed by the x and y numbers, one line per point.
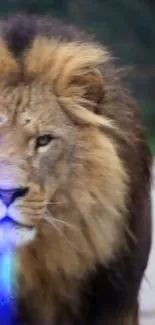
pixel 31 103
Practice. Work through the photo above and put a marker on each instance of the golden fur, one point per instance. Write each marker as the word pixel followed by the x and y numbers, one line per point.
pixel 78 185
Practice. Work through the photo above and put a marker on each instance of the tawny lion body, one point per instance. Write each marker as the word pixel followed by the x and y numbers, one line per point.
pixel 75 173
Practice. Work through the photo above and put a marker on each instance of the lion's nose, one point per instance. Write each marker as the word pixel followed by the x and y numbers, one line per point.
pixel 10 195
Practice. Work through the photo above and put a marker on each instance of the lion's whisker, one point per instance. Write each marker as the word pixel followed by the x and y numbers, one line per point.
pixel 52 222
pixel 65 223
pixel 57 203
pixel 49 217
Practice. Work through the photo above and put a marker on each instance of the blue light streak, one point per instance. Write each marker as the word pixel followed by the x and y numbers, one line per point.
pixel 6 286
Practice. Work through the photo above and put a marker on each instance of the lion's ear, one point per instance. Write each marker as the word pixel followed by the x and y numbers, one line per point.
pixel 88 85
pixel 81 78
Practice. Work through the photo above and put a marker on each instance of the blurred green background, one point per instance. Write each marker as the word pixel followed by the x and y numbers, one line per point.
pixel 127 27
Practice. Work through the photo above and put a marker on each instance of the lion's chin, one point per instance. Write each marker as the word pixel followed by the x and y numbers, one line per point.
pixel 15 235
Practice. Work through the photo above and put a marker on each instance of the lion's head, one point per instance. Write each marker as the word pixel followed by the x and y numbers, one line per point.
pixel 62 182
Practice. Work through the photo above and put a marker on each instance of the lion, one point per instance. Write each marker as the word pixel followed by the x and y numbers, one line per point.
pixel 75 177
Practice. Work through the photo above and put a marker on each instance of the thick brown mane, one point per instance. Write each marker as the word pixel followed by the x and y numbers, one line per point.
pixel 90 272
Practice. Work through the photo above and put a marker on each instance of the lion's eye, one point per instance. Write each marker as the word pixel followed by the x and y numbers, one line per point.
pixel 43 140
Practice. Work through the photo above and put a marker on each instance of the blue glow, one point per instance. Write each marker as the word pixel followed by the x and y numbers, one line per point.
pixel 6 286
pixel 5 262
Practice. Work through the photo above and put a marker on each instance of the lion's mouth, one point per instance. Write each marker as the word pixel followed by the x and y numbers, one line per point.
pixel 15 234
pixel 8 221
